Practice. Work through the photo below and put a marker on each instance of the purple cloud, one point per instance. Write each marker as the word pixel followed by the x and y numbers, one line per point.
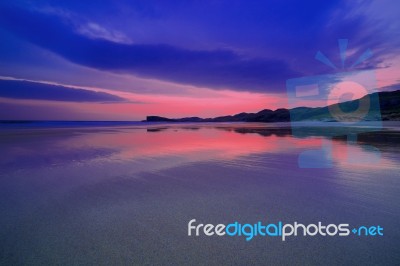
pixel 220 68
pixel 18 89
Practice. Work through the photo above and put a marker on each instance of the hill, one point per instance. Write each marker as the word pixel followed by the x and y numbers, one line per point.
pixel 389 103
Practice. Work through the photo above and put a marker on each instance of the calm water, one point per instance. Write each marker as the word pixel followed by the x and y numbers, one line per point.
pixel 124 194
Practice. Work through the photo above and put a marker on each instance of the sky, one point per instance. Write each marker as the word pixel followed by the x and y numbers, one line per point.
pixel 124 60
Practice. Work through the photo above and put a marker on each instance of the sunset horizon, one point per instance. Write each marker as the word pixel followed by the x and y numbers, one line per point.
pixel 132 72
pixel 213 132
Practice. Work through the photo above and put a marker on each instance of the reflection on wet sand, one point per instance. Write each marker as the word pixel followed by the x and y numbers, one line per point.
pixel 191 142
pixel 124 194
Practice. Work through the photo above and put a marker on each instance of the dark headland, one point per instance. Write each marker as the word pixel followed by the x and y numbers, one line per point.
pixel 389 103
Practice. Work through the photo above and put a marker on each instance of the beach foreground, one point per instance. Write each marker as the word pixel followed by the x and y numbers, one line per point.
pixel 124 194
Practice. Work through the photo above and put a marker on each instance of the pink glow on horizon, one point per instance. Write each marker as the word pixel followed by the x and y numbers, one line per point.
pixel 170 100
pixel 172 106
pixel 205 103
pixel 389 75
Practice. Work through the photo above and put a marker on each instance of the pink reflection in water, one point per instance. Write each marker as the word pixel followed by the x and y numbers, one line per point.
pixel 179 144
pixel 190 142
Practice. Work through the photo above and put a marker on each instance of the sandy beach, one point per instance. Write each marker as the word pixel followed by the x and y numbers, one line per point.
pixel 124 194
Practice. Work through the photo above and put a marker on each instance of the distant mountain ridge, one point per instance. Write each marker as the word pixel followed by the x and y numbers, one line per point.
pixel 389 102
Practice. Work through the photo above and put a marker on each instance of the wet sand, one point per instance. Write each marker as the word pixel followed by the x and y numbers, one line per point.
pixel 124 194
